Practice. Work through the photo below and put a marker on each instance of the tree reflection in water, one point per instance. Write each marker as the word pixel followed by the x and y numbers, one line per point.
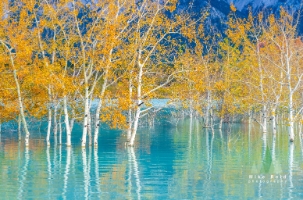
pixel 186 162
pixel 290 169
pixel 133 172
pixel 23 175
pixel 66 171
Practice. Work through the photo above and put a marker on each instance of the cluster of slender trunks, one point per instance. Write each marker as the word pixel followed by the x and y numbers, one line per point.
pixel 60 115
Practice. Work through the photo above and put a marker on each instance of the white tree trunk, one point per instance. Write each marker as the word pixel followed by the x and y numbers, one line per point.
pixel 291 125
pixel 290 97
pixel 19 127
pixel 221 122
pixel 290 116
pixel 264 119
pixel 97 123
pixel 67 126
pixel 136 123
pixel 273 118
pixel 130 121
pixel 55 120
pixel 85 120
pixel 100 103
pixel 27 133
pixel 49 118
pixel 49 126
pixel 139 103
pixel 211 119
pixel 89 129
pixel 208 109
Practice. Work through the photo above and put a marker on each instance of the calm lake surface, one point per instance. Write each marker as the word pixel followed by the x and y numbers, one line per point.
pixel 169 162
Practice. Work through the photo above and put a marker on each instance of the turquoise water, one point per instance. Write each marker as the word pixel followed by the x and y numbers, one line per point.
pixel 168 162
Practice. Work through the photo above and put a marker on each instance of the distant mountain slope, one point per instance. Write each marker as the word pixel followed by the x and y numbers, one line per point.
pixel 219 9
pixel 242 6
pixel 263 4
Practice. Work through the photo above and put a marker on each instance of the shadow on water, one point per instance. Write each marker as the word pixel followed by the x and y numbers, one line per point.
pixel 266 156
pixel 183 162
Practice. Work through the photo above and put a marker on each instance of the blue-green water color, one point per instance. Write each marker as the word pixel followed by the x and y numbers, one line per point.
pixel 168 162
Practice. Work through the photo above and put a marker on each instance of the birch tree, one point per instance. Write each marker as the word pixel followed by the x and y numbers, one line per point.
pixel 289 47
pixel 15 39
pixel 154 36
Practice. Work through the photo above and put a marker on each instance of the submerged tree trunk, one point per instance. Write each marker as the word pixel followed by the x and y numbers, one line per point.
pixel 290 118
pixel 20 102
pixel 130 121
pixel 208 109
pixel 55 120
pixel 136 123
pixel 97 123
pixel 49 126
pixel 291 91
pixel 89 130
pixel 291 127
pixel 67 126
pixel 21 108
pixel 19 127
pixel 264 119
pixel 211 119
pixel 221 122
pixel 85 120
pixel 97 120
pixel 273 119
pixel 138 109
